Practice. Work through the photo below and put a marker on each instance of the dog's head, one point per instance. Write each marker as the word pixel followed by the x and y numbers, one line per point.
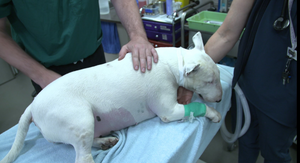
pixel 201 74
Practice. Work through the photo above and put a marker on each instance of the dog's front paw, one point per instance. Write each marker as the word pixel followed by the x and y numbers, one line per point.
pixel 217 118
pixel 213 115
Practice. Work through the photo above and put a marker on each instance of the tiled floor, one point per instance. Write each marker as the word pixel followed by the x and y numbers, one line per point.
pixel 16 95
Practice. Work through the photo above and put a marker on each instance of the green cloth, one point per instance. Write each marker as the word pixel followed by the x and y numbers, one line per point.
pixel 54 32
pixel 199 109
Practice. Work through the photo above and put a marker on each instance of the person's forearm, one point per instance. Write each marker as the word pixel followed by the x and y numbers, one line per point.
pixel 217 47
pixel 17 57
pixel 222 41
pixel 128 13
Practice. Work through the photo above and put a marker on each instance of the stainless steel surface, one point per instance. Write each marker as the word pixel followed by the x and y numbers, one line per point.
pixel 161 6
pixel 187 13
pixel 187 6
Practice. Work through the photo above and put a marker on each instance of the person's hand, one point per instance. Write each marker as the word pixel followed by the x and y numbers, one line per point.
pixel 142 53
pixel 184 96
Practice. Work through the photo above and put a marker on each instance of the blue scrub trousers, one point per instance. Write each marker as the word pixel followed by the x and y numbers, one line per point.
pixel 268 136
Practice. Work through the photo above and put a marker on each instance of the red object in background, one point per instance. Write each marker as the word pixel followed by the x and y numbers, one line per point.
pixel 158 44
pixel 142 3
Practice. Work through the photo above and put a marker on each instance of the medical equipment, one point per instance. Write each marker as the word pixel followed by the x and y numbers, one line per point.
pixel 241 102
pixel 151 10
pixel 281 23
pixel 207 21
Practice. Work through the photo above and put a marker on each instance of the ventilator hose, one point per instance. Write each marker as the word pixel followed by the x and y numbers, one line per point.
pixel 242 106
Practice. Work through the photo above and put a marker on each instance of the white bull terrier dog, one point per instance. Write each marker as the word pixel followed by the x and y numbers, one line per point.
pixel 81 106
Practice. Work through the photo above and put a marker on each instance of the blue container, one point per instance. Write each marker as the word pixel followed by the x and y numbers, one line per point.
pixel 169 7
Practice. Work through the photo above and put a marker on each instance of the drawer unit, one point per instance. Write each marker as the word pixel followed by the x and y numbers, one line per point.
pixel 159 36
pixel 162 31
pixel 159 27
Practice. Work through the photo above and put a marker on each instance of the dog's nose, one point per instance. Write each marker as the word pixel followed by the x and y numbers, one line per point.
pixel 219 101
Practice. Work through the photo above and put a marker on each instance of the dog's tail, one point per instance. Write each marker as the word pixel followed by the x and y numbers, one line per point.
pixel 23 127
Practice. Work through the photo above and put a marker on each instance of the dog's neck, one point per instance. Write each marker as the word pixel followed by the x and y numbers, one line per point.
pixel 180 77
pixel 175 61
pixel 176 65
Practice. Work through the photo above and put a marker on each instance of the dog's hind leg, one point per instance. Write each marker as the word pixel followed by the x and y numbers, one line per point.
pixel 75 128
pixel 83 150
pixel 82 139
pixel 80 133
pixel 105 143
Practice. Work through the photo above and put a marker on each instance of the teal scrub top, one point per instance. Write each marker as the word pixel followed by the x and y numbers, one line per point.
pixel 55 32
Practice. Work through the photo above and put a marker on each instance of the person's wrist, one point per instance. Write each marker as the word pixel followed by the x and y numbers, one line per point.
pixel 43 77
pixel 138 36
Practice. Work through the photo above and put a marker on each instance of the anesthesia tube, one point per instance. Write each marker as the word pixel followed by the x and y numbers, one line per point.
pixel 242 105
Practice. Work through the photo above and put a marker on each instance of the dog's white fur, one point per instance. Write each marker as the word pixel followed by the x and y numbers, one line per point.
pixel 80 106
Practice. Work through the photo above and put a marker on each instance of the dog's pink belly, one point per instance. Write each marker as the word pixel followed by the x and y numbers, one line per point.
pixel 114 120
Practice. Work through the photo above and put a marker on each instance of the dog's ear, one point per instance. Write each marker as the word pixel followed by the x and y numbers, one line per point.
pixel 198 42
pixel 190 68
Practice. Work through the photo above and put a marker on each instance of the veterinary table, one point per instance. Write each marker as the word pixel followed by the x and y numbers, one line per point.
pixel 150 141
